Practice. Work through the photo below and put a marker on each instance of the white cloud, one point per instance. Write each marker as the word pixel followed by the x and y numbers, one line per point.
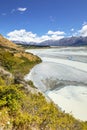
pixel 83 31
pixel 21 9
pixel 72 29
pixel 55 37
pixel 23 35
pixel 18 9
pixel 84 23
pixel 55 32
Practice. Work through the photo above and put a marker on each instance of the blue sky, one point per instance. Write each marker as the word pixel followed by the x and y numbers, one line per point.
pixel 38 17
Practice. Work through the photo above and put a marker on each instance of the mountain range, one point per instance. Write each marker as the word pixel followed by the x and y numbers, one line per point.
pixel 69 41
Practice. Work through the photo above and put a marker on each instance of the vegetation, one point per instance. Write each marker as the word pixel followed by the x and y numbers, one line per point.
pixel 25 46
pixel 19 108
pixel 31 84
pixel 22 110
pixel 17 63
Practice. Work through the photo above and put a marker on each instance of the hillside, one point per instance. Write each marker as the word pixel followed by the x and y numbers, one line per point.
pixel 22 106
pixel 5 43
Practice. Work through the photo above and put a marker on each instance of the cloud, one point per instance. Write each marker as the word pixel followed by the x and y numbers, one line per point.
pixel 72 29
pixel 3 14
pixel 13 10
pixel 18 9
pixel 55 32
pixel 84 23
pixel 23 35
pixel 21 9
pixel 83 31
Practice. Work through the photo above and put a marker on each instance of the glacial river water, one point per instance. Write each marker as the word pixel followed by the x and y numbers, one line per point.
pixel 62 76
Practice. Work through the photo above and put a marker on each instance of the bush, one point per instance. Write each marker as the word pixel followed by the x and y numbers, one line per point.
pixel 31 84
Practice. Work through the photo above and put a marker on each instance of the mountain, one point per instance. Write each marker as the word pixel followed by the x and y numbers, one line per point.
pixel 69 41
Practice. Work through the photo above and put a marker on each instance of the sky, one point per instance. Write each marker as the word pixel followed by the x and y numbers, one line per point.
pixel 39 20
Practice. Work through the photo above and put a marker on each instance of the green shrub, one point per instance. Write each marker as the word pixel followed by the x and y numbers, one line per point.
pixel 31 84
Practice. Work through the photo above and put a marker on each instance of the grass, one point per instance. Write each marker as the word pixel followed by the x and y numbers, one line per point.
pixel 17 64
pixel 22 110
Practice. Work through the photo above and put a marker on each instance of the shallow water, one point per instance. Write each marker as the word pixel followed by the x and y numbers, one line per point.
pixel 63 77
pixel 72 99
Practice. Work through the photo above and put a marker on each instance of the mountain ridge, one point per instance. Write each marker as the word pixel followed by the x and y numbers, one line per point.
pixel 68 41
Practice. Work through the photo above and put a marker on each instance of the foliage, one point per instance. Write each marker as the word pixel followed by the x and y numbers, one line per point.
pixel 25 110
pixel 5 121
pixel 31 84
pixel 16 64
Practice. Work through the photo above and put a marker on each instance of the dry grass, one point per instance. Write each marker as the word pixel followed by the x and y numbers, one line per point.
pixel 8 44
pixel 29 56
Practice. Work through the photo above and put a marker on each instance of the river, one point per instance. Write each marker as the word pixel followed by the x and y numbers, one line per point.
pixel 62 76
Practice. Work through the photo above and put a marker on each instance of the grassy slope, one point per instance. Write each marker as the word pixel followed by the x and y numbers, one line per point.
pixel 6 44
pixel 21 109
